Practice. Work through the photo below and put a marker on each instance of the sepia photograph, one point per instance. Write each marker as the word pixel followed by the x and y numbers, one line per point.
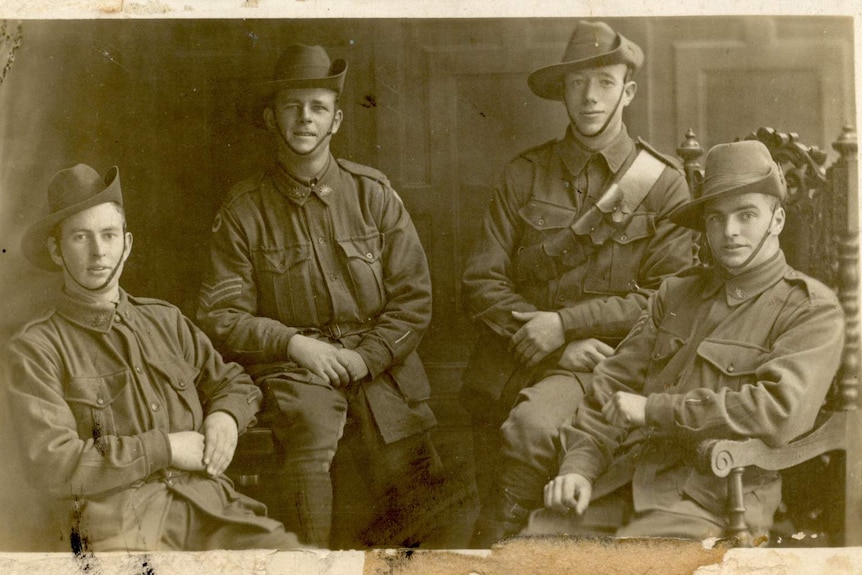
pixel 574 281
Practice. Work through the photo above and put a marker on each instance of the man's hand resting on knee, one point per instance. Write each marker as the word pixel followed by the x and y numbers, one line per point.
pixel 568 492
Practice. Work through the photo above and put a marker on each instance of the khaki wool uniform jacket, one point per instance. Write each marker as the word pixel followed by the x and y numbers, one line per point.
pixel 599 290
pixel 717 357
pixel 96 389
pixel 340 262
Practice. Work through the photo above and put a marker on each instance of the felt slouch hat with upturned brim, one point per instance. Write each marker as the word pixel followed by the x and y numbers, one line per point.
pixel 731 169
pixel 592 44
pixel 70 191
pixel 299 66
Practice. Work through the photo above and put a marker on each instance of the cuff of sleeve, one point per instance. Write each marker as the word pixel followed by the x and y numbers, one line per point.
pixel 576 322
pixel 375 355
pixel 572 463
pixel 660 409
pixel 242 408
pixel 157 449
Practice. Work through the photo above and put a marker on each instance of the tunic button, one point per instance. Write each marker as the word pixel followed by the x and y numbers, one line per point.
pixel 138 368
pixel 100 401
pixel 333 278
pixel 118 318
pixel 321 240
pixel 541 222
pixel 170 482
pixel 369 255
pixel 182 384
pixel 729 369
pixel 624 237
pixel 154 406
pixel 566 184
pixel 656 355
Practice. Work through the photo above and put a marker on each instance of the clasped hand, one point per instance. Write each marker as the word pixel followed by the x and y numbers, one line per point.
pixel 210 451
pixel 338 366
pixel 541 334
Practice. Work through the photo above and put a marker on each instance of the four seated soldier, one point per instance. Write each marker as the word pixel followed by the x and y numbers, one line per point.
pixel 132 416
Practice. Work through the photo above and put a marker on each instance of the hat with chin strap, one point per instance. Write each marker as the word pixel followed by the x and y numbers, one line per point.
pixel 70 191
pixel 592 44
pixel 731 169
pixel 299 66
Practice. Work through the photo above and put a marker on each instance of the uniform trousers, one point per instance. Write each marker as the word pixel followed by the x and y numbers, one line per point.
pixel 530 435
pixel 309 423
pixel 614 515
pixel 187 528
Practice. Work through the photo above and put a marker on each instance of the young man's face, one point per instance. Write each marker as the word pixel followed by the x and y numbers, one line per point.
pixel 592 96
pixel 735 226
pixel 304 118
pixel 92 247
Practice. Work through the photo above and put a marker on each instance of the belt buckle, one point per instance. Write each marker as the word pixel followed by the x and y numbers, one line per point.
pixel 334 331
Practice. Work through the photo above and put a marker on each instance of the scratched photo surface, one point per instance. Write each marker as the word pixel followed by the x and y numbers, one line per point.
pixel 438 105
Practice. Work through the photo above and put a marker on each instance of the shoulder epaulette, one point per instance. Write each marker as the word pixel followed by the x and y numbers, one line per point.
pixel 671 161
pixel 241 188
pixel 815 288
pixel 534 153
pixel 137 300
pixel 44 315
pixel 362 170
pixel 693 270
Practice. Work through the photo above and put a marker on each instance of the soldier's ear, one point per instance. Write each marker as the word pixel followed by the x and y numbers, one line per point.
pixel 778 220
pixel 269 118
pixel 54 250
pixel 629 91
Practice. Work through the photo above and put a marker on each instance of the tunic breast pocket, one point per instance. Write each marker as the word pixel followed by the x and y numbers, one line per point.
pixel 284 284
pixel 616 266
pixel 365 266
pixel 181 377
pixel 95 403
pixel 548 247
pixel 733 363
pixel 666 345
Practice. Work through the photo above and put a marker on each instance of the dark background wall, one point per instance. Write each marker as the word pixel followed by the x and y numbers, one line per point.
pixel 439 105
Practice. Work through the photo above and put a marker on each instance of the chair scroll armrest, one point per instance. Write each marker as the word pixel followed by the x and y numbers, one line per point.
pixel 721 456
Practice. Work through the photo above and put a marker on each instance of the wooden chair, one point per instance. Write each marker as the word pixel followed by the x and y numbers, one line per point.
pixel 822 240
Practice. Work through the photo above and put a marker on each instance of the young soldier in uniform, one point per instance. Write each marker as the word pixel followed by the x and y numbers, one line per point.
pixel 574 241
pixel 745 348
pixel 126 414
pixel 318 284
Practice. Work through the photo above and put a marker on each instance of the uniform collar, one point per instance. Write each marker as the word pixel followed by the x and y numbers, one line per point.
pixel 297 191
pixel 575 155
pixel 93 316
pixel 749 284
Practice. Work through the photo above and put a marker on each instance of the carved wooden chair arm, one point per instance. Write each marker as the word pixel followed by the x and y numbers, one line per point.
pixel 721 456
pixel 729 458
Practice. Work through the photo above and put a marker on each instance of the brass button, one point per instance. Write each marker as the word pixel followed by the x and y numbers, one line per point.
pixel 730 369
pixel 541 222
pixel 624 237
pixel 100 401
pixel 369 255
pixel 154 406
pixel 182 384
pixel 333 278
pixel 138 368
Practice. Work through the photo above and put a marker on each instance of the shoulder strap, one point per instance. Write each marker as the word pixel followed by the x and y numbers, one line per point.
pixel 636 183
pixel 622 197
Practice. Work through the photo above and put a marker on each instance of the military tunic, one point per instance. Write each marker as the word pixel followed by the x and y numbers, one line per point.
pixel 95 390
pixel 716 356
pixel 598 290
pixel 339 261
